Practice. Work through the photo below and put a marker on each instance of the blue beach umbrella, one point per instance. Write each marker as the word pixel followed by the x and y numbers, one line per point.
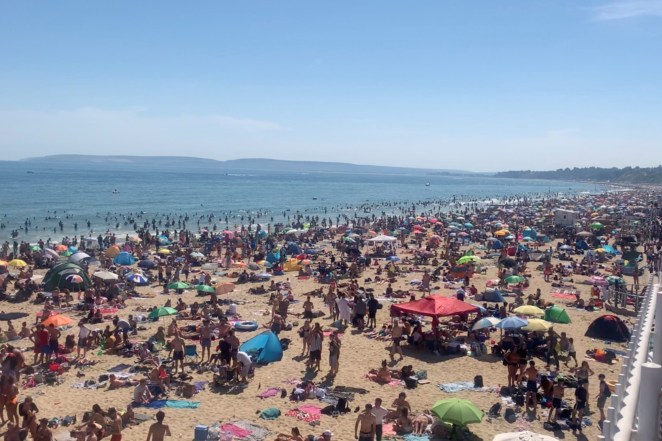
pixel 512 323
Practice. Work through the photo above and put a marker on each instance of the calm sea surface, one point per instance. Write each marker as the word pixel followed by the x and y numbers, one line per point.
pixel 76 194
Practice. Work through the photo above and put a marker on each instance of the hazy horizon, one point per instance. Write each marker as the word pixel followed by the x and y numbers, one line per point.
pixel 486 86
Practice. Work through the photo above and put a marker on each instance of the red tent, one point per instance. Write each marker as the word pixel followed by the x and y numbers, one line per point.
pixel 434 306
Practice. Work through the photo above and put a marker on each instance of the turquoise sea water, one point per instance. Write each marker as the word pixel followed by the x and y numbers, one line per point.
pixel 75 194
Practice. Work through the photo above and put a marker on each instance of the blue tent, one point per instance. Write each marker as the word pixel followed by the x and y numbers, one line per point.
pixel 292 248
pixel 263 348
pixel 492 296
pixel 528 232
pixel 273 257
pixel 124 258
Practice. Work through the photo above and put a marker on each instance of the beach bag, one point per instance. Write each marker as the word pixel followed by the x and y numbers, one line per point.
pixel 519 399
pixel 188 390
pixel 495 410
pixel 342 405
pixel 510 415
pixel 478 381
pixel 411 382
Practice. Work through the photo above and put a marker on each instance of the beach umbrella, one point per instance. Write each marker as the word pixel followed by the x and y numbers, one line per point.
pixel 556 314
pixel 466 259
pixel 74 278
pixel 137 279
pixel 164 251
pixel 612 280
pixel 502 233
pixel 147 264
pixel 60 248
pixel 485 322
pixel 514 280
pixel 105 275
pixel 205 288
pixel 537 325
pixel 457 411
pixel 512 323
pixel 529 310
pixel 523 436
pixel 178 285
pixel 112 251
pixel 584 234
pixel 197 255
pixel 35 248
pixel 596 226
pixel 79 257
pixel 162 312
pixel 17 263
pixel 57 321
pixel 50 253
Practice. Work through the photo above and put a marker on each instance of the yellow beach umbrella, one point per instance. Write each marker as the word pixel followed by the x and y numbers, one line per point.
pixel 164 251
pixel 539 325
pixel 18 263
pixel 502 233
pixel 529 310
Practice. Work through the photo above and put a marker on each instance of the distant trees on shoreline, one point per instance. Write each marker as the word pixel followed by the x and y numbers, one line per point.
pixel 629 175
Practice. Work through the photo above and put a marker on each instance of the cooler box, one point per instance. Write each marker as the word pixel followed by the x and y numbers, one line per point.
pixel 201 433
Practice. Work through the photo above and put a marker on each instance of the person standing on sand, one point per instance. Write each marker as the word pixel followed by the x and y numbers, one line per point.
pixel 531 374
pixel 396 336
pixel 158 431
pixel 334 354
pixel 315 344
pixel 205 340
pixel 364 428
pixel 178 344
pixel 115 425
pixel 379 412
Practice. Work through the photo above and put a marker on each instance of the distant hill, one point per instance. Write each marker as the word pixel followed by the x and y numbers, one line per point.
pixel 253 164
pixel 626 175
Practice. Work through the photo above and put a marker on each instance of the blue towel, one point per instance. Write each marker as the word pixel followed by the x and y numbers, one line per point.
pixel 175 404
pixel 412 437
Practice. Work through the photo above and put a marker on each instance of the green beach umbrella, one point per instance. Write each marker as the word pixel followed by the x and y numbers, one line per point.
pixel 178 285
pixel 162 312
pixel 596 225
pixel 466 259
pixel 457 411
pixel 35 248
pixel 556 314
pixel 205 288
pixel 514 280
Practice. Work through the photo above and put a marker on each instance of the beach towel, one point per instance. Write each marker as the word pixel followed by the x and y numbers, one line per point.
pixel 271 413
pixel 271 392
pixel 387 430
pixel 174 404
pixel 306 413
pixel 258 433
pixel 412 437
pixel 462 386
pixel 566 294
pixel 235 430
pixel 120 367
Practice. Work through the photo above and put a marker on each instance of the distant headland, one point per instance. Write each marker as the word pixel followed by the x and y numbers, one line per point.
pixel 625 175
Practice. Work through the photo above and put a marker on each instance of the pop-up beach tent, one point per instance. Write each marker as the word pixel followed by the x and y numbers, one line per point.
pixel 264 347
pixel 124 258
pixel 56 277
pixel 556 314
pixel 608 327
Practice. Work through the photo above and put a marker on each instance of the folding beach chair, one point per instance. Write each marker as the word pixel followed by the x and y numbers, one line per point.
pixel 191 352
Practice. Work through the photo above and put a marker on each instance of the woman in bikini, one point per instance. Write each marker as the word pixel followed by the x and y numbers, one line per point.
pixel 511 360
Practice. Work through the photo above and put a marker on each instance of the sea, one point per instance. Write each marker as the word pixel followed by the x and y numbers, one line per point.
pixel 111 198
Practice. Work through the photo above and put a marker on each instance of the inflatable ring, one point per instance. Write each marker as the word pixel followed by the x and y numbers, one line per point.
pixel 246 326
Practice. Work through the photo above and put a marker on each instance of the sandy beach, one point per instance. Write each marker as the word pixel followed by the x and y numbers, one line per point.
pixel 359 354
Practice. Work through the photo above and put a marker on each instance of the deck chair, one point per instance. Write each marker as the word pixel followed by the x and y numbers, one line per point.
pixel 191 352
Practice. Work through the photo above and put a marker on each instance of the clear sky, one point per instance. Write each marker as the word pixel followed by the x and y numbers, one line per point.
pixel 475 85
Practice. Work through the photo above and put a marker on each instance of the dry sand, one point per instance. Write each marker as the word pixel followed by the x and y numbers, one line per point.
pixel 359 354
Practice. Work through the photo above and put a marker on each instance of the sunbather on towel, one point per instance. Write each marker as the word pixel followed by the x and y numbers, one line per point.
pixel 381 375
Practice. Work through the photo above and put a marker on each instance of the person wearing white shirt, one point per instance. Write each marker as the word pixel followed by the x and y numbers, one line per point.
pixel 379 412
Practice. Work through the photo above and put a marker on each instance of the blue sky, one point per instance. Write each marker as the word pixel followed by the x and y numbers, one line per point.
pixel 480 85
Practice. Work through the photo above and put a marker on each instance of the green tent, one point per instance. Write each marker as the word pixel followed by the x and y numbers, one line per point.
pixel 56 277
pixel 162 312
pixel 556 314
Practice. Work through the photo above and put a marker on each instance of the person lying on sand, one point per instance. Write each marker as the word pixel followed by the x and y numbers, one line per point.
pixel 421 421
pixel 116 383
